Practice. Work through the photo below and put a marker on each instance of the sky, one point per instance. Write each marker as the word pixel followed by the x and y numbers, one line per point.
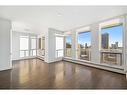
pixel 84 37
pixel 115 35
pixel 68 39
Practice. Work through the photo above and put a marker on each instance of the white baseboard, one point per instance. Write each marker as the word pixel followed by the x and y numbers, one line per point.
pixel 5 68
pixel 104 67
pixel 25 58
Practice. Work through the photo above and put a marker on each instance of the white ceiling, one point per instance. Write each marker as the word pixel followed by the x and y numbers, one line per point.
pixel 38 19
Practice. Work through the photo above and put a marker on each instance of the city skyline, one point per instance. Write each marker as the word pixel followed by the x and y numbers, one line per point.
pixel 115 35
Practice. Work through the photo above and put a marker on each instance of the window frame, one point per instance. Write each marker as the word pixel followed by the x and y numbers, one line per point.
pixel 77 34
pixel 35 49
pixel 57 50
pixel 100 44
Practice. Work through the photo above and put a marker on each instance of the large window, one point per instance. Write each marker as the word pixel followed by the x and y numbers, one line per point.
pixel 27 46
pixel 111 44
pixel 68 46
pixel 59 46
pixel 84 45
pixel 24 46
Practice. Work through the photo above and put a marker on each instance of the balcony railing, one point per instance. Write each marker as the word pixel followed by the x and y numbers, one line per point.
pixel 68 52
pixel 112 57
pixel 84 54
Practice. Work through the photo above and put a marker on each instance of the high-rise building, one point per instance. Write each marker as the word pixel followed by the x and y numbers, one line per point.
pixel 116 43
pixel 105 41
pixel 86 45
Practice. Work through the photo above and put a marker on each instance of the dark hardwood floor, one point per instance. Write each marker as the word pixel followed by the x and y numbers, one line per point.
pixel 35 74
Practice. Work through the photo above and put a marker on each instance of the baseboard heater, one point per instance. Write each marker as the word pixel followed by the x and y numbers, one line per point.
pixel 100 66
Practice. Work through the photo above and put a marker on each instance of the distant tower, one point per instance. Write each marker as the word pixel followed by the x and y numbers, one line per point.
pixel 112 46
pixel 105 41
pixel 116 45
pixel 86 45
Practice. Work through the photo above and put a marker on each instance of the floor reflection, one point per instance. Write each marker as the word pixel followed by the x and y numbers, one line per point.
pixel 36 74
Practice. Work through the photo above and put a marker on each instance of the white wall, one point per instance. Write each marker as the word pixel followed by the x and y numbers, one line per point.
pixel 125 44
pixel 5 46
pixel 15 45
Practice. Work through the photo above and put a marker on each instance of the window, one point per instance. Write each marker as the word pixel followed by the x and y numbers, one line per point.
pixel 24 46
pixel 33 45
pixel 84 45
pixel 27 46
pixel 111 44
pixel 59 46
pixel 68 46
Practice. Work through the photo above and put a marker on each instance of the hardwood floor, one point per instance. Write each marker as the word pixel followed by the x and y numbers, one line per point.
pixel 36 74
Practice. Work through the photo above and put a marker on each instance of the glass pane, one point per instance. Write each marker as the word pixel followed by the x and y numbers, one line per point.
pixel 84 45
pixel 43 52
pixel 112 38
pixel 68 46
pixel 34 52
pixel 33 43
pixel 111 44
pixel 27 53
pixel 59 43
pixel 60 53
pixel 24 43
pixel 59 46
pixel 21 53
pixel 111 58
